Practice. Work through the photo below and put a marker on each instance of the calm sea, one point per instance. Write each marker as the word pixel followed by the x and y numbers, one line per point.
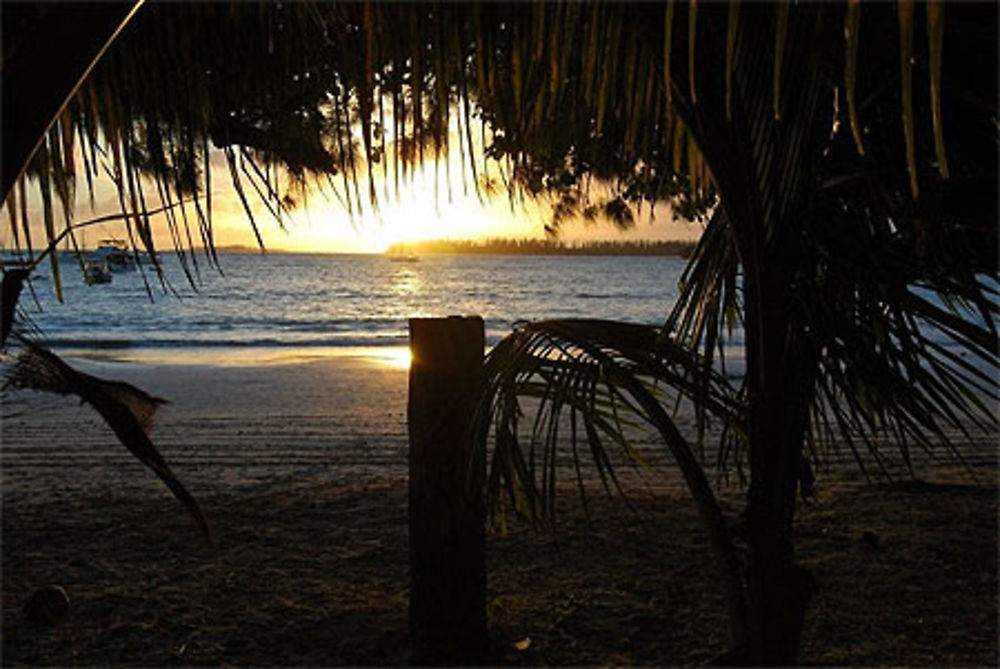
pixel 280 307
pixel 269 304
pixel 245 428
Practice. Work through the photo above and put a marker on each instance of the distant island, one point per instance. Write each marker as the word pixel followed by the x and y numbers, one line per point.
pixel 247 248
pixel 542 247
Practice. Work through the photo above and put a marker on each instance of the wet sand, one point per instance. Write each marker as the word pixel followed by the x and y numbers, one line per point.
pixel 301 469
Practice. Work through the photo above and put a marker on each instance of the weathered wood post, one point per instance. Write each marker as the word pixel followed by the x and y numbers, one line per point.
pixel 447 512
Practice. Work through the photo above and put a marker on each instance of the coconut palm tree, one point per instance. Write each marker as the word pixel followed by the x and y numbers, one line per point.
pixel 819 249
pixel 844 157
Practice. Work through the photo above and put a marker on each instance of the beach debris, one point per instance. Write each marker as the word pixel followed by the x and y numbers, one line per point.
pixel 47 607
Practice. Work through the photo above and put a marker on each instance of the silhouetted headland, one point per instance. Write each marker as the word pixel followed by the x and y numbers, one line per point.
pixel 547 247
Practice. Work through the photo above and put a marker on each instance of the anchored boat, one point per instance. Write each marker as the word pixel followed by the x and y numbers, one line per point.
pixel 95 272
pixel 115 253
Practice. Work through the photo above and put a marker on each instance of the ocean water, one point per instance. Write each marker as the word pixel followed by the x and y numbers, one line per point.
pixel 244 427
pixel 281 307
pixel 267 305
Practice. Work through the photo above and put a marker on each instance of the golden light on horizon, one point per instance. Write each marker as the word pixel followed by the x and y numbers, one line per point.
pixel 427 206
pixel 433 202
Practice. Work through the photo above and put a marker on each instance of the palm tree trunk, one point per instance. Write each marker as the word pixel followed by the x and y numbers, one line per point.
pixel 781 374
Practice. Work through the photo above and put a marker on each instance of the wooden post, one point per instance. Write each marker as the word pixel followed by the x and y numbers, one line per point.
pixel 447 512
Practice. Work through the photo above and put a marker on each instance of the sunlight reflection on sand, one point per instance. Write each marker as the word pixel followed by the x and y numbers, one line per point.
pixel 398 357
pixel 395 357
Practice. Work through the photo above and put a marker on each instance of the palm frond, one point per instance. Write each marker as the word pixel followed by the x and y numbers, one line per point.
pixel 606 375
pixel 851 41
pixel 127 410
pixel 906 78
pixel 595 369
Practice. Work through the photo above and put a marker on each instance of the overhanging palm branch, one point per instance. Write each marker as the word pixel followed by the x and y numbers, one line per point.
pixel 127 410
pixel 299 86
pixel 299 83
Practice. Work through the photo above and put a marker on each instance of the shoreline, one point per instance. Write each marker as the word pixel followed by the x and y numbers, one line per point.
pixel 393 355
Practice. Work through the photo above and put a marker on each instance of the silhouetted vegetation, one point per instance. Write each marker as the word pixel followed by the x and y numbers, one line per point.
pixel 542 247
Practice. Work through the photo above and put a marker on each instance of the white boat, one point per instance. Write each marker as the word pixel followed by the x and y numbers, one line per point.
pixel 115 253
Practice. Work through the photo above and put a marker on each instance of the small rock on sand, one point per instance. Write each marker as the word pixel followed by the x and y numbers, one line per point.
pixel 47 607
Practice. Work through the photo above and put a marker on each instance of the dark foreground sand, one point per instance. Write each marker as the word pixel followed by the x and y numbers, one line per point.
pixel 309 565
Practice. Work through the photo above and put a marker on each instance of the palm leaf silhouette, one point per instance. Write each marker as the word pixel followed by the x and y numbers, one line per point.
pixel 605 375
pixel 127 410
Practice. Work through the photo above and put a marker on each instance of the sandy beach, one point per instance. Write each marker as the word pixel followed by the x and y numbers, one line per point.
pixel 339 419
pixel 300 467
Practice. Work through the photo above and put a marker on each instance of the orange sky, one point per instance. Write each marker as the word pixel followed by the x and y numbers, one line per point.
pixel 324 226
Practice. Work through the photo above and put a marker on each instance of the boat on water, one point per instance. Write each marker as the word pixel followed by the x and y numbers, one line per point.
pixel 96 272
pixel 406 258
pixel 115 253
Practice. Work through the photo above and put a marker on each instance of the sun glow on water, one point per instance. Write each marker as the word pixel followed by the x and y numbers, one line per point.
pixel 406 281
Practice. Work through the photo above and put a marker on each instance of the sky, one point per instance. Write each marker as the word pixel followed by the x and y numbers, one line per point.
pixel 325 226
pixel 321 223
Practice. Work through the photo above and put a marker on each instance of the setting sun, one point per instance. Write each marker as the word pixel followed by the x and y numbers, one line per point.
pixel 427 206
pixel 423 210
